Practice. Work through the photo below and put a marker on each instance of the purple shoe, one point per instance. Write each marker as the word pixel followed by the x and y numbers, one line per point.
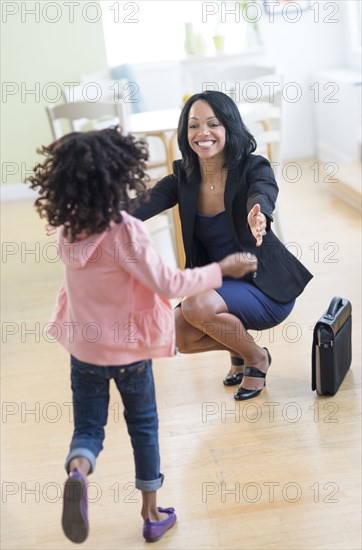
pixel 154 530
pixel 75 508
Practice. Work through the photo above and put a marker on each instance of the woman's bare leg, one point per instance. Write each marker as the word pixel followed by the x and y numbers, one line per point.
pixel 192 340
pixel 218 330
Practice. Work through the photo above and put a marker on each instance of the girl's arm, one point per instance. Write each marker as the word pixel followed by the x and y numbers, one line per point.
pixel 146 265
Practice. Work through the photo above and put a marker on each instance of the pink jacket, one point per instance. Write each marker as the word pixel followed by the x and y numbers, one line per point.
pixel 112 307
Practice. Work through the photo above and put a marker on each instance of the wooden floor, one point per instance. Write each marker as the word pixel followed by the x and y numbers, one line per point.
pixel 279 472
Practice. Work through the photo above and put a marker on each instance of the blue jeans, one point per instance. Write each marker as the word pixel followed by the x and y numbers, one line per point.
pixel 90 387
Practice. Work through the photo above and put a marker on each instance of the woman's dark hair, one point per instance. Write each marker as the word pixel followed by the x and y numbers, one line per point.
pixel 239 143
pixel 85 180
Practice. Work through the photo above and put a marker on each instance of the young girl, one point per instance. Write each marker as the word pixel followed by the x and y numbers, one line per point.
pixel 111 312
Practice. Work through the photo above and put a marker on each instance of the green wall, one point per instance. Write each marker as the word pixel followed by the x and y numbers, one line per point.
pixel 35 52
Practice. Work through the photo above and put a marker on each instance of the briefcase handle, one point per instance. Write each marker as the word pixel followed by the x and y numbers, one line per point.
pixel 334 306
pixel 336 315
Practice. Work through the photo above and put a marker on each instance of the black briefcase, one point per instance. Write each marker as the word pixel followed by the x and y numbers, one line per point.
pixel 332 347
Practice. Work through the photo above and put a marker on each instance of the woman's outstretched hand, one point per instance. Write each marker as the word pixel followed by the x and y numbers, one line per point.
pixel 257 224
pixel 238 264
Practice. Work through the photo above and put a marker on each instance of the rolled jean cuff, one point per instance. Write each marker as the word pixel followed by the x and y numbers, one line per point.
pixel 84 453
pixel 150 485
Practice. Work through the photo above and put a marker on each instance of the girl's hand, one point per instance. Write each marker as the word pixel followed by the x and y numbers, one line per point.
pixel 238 264
pixel 50 230
pixel 257 224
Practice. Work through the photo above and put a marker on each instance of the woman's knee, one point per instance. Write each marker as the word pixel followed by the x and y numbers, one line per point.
pixel 202 308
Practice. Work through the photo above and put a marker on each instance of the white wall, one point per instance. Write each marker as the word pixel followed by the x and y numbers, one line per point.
pixel 40 45
pixel 299 50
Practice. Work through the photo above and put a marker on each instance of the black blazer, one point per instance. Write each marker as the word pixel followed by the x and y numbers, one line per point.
pixel 280 274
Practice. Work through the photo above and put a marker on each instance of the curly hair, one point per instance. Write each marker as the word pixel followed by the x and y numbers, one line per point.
pixel 86 179
pixel 239 142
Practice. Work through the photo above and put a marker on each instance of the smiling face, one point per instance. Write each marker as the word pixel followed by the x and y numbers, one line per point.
pixel 206 134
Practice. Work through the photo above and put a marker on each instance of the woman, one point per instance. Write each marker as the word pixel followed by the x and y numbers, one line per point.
pixel 226 197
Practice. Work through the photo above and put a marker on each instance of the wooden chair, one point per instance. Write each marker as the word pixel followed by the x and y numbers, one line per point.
pixel 267 133
pixel 86 115
pixel 83 116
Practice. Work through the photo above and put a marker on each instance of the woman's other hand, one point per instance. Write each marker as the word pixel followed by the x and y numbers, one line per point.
pixel 257 224
pixel 238 264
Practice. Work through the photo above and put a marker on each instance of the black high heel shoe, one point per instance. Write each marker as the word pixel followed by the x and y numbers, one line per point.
pixel 242 394
pixel 234 379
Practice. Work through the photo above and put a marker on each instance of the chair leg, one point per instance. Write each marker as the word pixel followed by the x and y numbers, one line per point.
pixel 180 254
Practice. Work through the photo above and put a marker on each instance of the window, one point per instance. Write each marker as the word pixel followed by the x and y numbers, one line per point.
pixel 146 30
pixel 154 30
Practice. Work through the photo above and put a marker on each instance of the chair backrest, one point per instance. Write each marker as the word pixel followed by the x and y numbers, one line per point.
pixel 268 138
pixel 103 90
pixel 251 84
pixel 257 90
pixel 85 115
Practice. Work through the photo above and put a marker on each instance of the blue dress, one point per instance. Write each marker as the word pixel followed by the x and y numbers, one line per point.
pixel 243 299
